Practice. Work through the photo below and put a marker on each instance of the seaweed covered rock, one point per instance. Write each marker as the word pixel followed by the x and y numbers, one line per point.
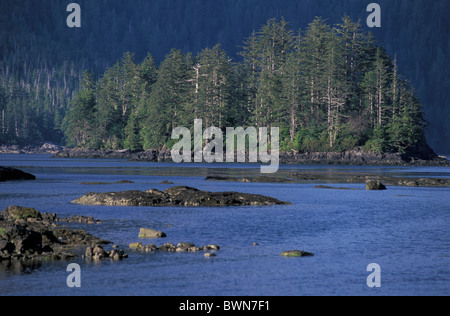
pixel 150 233
pixel 97 253
pixel 375 185
pixel 177 196
pixel 27 234
pixel 296 253
pixel 169 247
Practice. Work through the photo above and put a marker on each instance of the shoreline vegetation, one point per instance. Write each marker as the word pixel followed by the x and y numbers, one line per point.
pixel 328 88
pixel 357 156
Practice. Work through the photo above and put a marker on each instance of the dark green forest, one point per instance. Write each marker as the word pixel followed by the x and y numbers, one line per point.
pixel 136 69
pixel 329 88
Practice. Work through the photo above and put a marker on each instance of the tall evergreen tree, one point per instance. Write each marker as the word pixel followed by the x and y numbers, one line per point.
pixel 170 102
pixel 213 86
pixel 294 89
pixel 80 120
pixel 147 75
pixel 316 51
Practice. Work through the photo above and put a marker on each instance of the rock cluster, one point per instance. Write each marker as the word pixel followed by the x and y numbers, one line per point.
pixel 27 234
pixel 177 196
pixel 97 253
pixel 80 219
pixel 169 247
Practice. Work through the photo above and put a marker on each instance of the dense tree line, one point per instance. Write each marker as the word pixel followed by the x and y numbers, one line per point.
pixel 38 52
pixel 33 103
pixel 328 88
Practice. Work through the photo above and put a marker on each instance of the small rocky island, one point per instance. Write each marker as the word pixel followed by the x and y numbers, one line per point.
pixel 177 196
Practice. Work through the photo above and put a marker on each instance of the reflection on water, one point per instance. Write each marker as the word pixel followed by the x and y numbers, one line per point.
pixel 19 266
pixel 44 164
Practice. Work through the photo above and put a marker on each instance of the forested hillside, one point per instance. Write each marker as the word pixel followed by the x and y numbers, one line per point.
pixel 329 88
pixel 42 61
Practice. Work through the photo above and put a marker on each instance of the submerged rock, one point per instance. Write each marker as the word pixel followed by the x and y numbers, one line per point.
pixel 135 245
pixel 106 183
pixel 331 188
pixel 296 253
pixel 81 219
pixel 177 196
pixel 256 179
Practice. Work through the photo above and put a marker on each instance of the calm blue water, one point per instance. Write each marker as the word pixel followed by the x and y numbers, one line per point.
pixel 404 230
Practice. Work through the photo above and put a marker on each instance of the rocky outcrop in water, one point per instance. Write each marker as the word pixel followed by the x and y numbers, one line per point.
pixel 177 196
pixel 11 174
pixel 338 177
pixel 375 185
pixel 27 234
pixel 148 233
pixel 296 253
pixel 169 247
pixel 97 253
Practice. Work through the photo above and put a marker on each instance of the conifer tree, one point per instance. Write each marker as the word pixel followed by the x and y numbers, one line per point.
pixel 215 86
pixel 167 105
pixel 80 120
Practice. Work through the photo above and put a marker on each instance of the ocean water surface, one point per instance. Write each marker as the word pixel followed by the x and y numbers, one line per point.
pixel 405 230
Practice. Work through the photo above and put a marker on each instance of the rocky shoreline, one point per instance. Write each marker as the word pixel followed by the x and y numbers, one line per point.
pixel 177 196
pixel 352 157
pixel 423 156
pixel 27 234
pixel 45 149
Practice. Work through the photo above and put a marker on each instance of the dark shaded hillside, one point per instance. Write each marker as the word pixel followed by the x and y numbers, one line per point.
pixel 42 59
